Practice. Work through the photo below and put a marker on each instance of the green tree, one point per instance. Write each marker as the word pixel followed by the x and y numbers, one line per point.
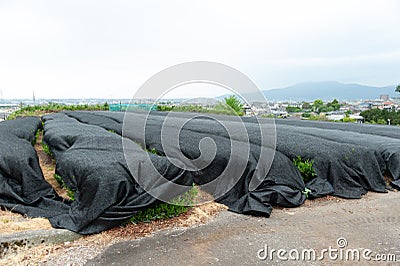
pixel 234 103
pixel 317 104
pixel 377 116
pixel 335 104
pixel 398 88
pixel 306 106
pixel 292 109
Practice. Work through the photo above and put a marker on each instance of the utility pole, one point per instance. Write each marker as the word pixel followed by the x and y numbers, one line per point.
pixel 34 99
pixel 1 101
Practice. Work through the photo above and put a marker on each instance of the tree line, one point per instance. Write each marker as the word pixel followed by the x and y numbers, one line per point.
pixel 317 106
pixel 378 116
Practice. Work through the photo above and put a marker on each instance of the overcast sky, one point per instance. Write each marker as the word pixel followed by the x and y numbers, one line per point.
pixel 76 49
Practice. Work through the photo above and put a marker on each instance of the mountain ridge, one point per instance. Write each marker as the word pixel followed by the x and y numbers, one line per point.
pixel 327 91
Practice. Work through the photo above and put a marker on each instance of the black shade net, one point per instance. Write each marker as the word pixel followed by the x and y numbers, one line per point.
pixel 110 188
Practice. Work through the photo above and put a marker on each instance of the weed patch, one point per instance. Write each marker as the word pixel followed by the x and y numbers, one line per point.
pixel 153 151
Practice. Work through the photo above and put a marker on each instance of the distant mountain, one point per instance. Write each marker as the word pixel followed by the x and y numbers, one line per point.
pixel 200 100
pixel 328 91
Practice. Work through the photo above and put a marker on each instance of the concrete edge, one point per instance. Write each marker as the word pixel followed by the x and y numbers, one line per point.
pixel 31 238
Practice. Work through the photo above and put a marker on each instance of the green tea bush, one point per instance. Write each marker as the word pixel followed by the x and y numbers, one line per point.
pixel 47 150
pixel 60 181
pixel 162 211
pixel 34 141
pixel 306 168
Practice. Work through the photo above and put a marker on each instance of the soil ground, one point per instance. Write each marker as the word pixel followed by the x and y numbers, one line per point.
pixel 347 226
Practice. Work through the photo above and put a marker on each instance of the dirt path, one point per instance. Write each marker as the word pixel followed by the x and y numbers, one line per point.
pixel 48 165
pixel 231 239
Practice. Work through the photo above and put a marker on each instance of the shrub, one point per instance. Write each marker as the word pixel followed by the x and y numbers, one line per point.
pixel 306 168
pixel 153 151
pixel 349 120
pixel 162 211
pixel 293 109
pixel 165 108
pixel 319 117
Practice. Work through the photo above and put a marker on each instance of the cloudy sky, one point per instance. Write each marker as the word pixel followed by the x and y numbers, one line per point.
pixel 76 49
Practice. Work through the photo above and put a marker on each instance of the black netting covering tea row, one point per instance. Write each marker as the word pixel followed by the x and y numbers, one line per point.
pixel 349 160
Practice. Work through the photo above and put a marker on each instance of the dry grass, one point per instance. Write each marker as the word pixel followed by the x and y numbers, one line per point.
pixel 88 247
pixel 321 201
pixel 13 222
